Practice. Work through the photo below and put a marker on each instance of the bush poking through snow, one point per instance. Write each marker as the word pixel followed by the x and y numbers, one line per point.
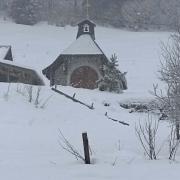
pixel 29 90
pixel 43 105
pixel 173 144
pixel 147 136
pixel 106 104
pixel 37 97
pixel 153 107
pixel 6 95
pixel 33 94
pixel 67 146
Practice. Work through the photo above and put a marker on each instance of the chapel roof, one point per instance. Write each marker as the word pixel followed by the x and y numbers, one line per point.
pixel 87 21
pixel 83 45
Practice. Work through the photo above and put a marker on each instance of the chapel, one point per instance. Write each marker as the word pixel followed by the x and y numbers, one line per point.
pixel 82 64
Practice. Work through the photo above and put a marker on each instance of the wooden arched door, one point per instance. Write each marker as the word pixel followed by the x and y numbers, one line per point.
pixel 84 77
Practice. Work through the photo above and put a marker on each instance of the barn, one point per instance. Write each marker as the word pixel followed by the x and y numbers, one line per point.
pixel 81 64
pixel 11 72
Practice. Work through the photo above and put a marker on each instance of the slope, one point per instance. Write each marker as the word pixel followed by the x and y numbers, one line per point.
pixel 29 136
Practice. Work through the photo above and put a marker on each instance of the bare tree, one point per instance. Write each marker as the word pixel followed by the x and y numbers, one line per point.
pixel 44 103
pixel 6 95
pixel 170 75
pixel 67 146
pixel 173 144
pixel 37 97
pixel 147 136
pixel 29 90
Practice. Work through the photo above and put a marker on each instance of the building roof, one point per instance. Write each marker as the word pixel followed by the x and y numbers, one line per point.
pixel 3 51
pixel 87 21
pixel 13 63
pixel 6 53
pixel 83 45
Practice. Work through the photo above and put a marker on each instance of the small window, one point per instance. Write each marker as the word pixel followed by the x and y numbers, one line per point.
pixel 86 28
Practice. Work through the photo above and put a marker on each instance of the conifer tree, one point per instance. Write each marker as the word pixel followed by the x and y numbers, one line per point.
pixel 114 80
pixel 25 11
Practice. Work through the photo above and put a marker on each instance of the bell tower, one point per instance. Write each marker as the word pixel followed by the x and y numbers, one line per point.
pixel 86 26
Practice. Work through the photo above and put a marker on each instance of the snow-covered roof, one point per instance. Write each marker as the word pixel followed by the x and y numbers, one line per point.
pixel 13 63
pixel 83 45
pixel 87 21
pixel 3 51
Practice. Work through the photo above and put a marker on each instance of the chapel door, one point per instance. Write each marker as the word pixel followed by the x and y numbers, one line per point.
pixel 84 77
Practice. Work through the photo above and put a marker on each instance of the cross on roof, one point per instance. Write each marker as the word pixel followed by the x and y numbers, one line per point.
pixel 87 9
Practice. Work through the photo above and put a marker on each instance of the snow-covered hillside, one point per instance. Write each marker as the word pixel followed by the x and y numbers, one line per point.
pixel 29 147
pixel 138 52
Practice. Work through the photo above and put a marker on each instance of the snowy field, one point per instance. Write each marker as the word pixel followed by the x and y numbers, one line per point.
pixel 29 135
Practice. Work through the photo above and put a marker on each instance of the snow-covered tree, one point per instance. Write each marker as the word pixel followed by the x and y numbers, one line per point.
pixel 144 14
pixel 140 14
pixel 136 14
pixel 2 4
pixel 114 80
pixel 25 11
pixel 170 13
pixel 170 75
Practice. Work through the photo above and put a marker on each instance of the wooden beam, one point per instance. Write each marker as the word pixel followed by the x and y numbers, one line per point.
pixel 86 148
pixel 72 98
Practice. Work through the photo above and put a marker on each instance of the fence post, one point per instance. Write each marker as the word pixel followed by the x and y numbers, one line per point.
pixel 86 148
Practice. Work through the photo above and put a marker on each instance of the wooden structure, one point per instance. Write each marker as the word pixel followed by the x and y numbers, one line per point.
pixel 12 73
pixel 86 27
pixel 73 98
pixel 86 148
pixel 82 64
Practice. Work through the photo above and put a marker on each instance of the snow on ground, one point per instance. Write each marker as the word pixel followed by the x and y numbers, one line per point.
pixel 29 146
pixel 29 139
